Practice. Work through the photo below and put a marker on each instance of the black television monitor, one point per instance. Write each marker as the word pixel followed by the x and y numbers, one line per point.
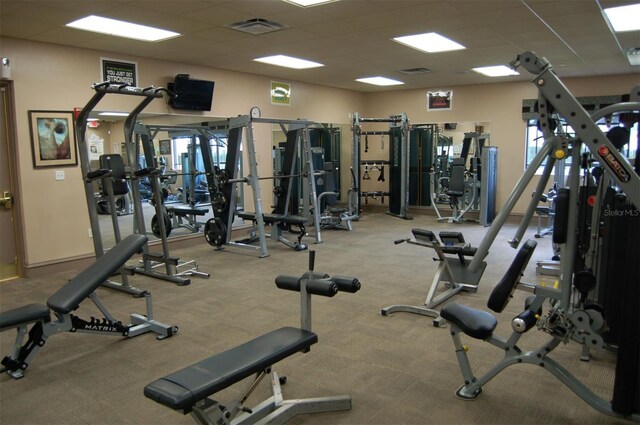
pixel 192 94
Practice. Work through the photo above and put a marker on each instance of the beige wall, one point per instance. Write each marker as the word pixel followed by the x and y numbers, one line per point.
pixel 51 77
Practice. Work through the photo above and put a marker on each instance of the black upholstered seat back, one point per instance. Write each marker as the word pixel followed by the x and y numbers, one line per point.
pixel 501 294
pixel 69 297
pixel 115 163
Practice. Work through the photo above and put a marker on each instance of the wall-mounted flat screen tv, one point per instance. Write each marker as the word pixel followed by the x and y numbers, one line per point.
pixel 192 94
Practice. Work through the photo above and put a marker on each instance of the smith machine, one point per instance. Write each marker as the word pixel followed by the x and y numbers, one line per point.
pixel 397 162
pixel 114 174
pixel 218 229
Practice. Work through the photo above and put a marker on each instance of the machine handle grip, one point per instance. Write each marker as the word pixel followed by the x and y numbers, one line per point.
pixel 312 259
pixel 98 174
pixel 399 241
pixel 346 284
pixel 524 321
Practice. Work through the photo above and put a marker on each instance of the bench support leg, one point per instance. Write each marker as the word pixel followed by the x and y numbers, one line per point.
pixel 24 353
pixel 143 324
pixel 277 410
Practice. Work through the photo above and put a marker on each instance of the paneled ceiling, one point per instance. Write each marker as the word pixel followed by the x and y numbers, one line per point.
pixel 352 38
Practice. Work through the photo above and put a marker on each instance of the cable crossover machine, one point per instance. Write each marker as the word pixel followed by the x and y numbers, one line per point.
pixel 397 163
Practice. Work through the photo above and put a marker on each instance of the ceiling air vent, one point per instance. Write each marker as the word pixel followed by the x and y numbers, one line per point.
pixel 257 26
pixel 415 71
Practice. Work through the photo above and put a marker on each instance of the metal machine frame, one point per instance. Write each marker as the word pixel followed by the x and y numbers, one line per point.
pixel 400 159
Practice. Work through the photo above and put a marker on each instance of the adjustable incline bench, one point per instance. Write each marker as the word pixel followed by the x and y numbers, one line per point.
pixel 277 220
pixel 189 390
pixel 453 272
pixel 66 300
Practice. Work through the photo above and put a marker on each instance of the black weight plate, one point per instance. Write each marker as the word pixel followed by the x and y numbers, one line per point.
pixel 215 232
pixel 219 202
pixel 155 226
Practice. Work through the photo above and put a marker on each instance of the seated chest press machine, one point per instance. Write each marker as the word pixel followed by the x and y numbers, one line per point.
pixel 564 320
pixel 453 272
pixel 190 389
pixel 66 300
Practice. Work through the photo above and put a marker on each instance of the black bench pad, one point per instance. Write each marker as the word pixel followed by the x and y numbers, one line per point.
pixel 475 323
pixel 275 218
pixel 69 297
pixel 23 315
pixel 186 210
pixel 428 236
pixel 182 389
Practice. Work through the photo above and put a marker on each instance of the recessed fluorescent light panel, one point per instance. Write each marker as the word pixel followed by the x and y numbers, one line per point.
pixel 113 114
pixel 379 81
pixel 309 3
pixel 288 62
pixel 430 42
pixel 496 71
pixel 121 29
pixel 624 18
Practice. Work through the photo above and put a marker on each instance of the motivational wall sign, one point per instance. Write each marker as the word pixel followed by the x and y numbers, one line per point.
pixel 118 71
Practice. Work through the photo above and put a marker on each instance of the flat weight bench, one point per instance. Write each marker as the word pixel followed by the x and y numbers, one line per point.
pixel 190 389
pixel 276 221
pixel 175 217
pixel 453 272
pixel 179 213
pixel 66 300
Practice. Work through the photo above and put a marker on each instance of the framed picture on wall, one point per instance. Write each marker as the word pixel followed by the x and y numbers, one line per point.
pixel 53 138
pixel 439 100
pixel 165 146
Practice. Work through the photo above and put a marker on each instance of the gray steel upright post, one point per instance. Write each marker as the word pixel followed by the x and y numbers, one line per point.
pixel 503 214
pixel 253 181
pixel 311 181
pixel 404 161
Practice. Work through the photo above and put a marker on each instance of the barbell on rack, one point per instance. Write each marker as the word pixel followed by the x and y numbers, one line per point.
pixel 224 179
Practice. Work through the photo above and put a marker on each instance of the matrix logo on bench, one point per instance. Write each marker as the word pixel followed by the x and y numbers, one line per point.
pixel 98 325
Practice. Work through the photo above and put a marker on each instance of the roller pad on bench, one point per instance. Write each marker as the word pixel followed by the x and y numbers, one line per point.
pixel 183 389
pixel 23 315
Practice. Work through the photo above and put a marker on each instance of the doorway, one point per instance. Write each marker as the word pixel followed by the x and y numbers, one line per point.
pixel 10 249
